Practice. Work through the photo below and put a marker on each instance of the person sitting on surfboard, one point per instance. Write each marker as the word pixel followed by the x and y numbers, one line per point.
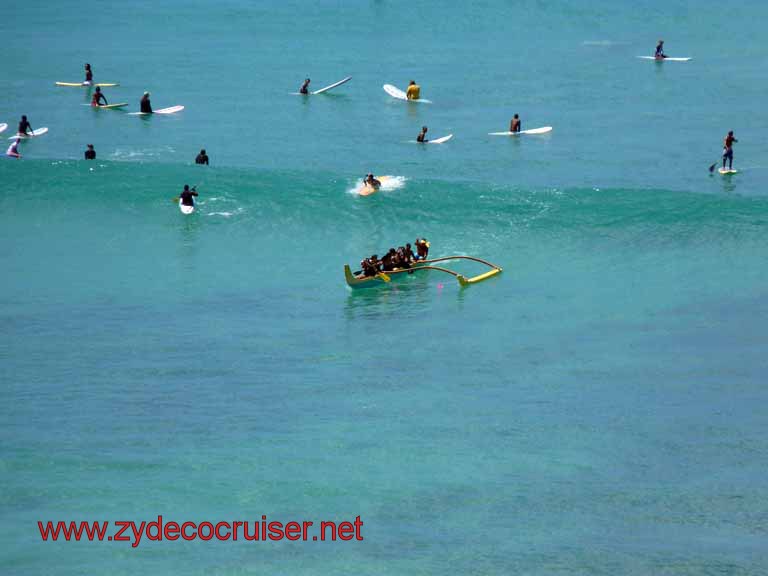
pixel 423 136
pixel 515 124
pixel 145 104
pixel 371 181
pixel 304 87
pixel 186 196
pixel 88 75
pixel 414 91
pixel 98 97
pixel 202 158
pixel 728 150
pixel 24 125
pixel 90 154
pixel 660 50
pixel 13 149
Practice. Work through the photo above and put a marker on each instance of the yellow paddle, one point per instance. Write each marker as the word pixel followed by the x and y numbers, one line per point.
pixel 384 277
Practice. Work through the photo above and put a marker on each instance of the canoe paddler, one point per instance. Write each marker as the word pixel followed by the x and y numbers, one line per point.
pixel 13 149
pixel 305 87
pixel 414 91
pixel 24 126
pixel 88 75
pixel 422 137
pixel 186 196
pixel 98 97
pixel 145 104
pixel 372 182
pixel 515 124
pixel 660 50
pixel 728 150
pixel 422 248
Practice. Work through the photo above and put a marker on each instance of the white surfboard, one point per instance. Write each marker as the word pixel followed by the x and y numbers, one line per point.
pixel 3 127
pixel 727 171
pixel 667 59
pixel 437 140
pixel 38 132
pixel 87 84
pixel 171 110
pixel 339 83
pixel 185 209
pixel 395 92
pixel 542 130
pixel 111 106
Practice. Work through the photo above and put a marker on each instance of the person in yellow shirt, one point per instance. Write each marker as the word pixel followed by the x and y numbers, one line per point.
pixel 414 91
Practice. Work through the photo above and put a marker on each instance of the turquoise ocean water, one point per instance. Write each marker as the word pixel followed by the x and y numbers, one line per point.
pixel 599 408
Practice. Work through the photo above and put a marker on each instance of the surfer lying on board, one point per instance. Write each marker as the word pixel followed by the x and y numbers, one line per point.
pixel 24 125
pixel 515 124
pixel 88 75
pixel 423 136
pixel 98 97
pixel 414 91
pixel 90 154
pixel 187 196
pixel 304 87
pixel 371 181
pixel 728 150
pixel 660 50
pixel 145 104
pixel 13 149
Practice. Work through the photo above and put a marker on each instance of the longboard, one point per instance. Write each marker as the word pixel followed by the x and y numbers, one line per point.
pixel 437 140
pixel 111 106
pixel 185 209
pixel 365 190
pixel 86 84
pixel 727 171
pixel 339 83
pixel 542 130
pixel 395 92
pixel 38 132
pixel 667 59
pixel 3 127
pixel 171 110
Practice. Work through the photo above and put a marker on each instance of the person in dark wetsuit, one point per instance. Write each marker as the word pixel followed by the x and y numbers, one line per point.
pixel 304 87
pixel 98 97
pixel 145 104
pixel 90 154
pixel 660 50
pixel 515 124
pixel 728 150
pixel 88 75
pixel 24 125
pixel 187 196
pixel 422 137
pixel 202 158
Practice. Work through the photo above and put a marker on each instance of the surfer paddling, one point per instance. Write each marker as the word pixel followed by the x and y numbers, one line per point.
pixel 515 124
pixel 25 126
pixel 305 87
pixel 659 55
pixel 145 105
pixel 186 197
pixel 728 150
pixel 98 97
pixel 414 91
pixel 13 149
pixel 422 137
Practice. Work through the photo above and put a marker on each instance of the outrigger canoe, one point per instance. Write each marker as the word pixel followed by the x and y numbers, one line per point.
pixel 358 280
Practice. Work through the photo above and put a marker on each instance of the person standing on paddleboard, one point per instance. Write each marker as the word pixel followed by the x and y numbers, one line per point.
pixel 88 75
pixel 90 154
pixel 515 125
pixel 422 137
pixel 186 196
pixel 305 87
pixel 145 104
pixel 24 125
pixel 13 149
pixel 414 91
pixel 728 150
pixel 98 97
pixel 660 50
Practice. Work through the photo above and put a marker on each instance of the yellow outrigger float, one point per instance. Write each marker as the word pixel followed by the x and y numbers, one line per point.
pixel 357 280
